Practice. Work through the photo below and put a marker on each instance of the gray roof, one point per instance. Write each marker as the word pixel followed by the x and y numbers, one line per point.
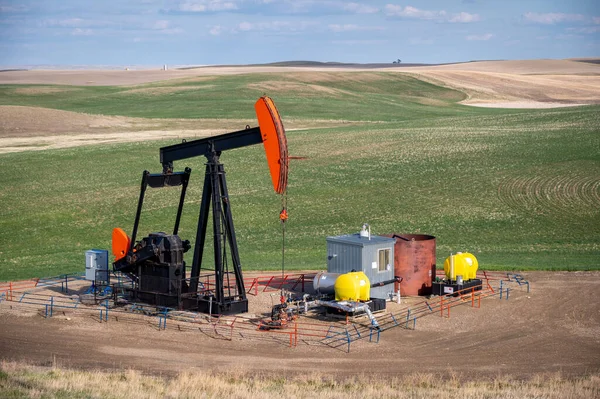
pixel 356 239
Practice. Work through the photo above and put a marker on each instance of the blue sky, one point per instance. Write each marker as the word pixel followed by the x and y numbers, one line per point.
pixel 191 32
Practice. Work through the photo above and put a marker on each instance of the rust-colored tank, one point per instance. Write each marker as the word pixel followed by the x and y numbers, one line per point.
pixel 414 261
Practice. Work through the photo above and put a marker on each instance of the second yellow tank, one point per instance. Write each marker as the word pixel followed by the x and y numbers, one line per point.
pixel 461 264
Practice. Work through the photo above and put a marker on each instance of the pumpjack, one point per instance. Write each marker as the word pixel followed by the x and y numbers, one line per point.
pixel 156 263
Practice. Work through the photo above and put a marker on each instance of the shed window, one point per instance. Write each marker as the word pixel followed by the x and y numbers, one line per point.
pixel 384 260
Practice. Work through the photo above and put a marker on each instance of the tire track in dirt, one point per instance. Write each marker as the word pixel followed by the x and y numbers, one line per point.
pixel 562 194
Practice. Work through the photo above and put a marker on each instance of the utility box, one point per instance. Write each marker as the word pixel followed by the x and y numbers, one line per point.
pixel 373 255
pixel 96 265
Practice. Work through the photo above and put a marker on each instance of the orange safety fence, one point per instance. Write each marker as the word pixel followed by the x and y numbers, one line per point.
pixel 276 283
pixel 265 283
pixel 460 297
pixel 9 288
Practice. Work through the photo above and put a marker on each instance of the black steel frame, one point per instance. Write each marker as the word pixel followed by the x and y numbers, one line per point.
pixel 159 180
pixel 221 300
pixel 154 181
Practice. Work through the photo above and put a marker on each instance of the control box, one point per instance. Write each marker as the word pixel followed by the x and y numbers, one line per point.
pixel 96 265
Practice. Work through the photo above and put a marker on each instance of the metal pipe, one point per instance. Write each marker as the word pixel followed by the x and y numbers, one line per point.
pixel 371 317
pixel 386 282
pixel 350 307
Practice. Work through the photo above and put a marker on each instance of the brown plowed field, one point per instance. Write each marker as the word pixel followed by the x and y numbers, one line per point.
pixel 555 328
pixel 32 128
pixel 510 90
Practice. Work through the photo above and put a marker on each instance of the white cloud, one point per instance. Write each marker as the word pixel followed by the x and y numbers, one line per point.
pixel 567 36
pixel 393 10
pixel 82 32
pixel 215 30
pixel 419 41
pixel 316 7
pixel 278 26
pixel 596 20
pixel 76 23
pixel 483 37
pixel 13 8
pixel 464 17
pixel 409 12
pixel 553 18
pixel 513 42
pixel 360 8
pixel 82 26
pixel 245 26
pixel 351 28
pixel 207 5
pixel 588 29
pixel 67 23
pixel 173 31
pixel 342 28
pixel 192 7
pixel 358 42
pixel 162 24
pixel 164 27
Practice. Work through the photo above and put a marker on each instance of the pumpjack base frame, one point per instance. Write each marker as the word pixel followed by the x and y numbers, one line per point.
pixel 153 298
pixel 204 305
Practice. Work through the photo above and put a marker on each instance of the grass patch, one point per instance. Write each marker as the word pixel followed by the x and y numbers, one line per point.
pixel 28 381
pixel 519 189
pixel 373 97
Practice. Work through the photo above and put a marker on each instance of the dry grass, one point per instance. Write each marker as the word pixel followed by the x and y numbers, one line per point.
pixel 304 89
pixel 498 88
pixel 33 91
pixel 162 90
pixel 19 380
pixel 519 67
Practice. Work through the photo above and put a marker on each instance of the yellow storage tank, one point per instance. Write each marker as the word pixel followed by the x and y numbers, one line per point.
pixel 354 286
pixel 465 265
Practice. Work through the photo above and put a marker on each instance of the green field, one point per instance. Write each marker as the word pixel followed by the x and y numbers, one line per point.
pixel 518 188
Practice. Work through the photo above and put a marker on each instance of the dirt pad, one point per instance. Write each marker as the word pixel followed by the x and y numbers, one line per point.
pixel 555 328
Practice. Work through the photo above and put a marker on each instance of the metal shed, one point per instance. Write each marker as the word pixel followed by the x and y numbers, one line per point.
pixel 372 255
